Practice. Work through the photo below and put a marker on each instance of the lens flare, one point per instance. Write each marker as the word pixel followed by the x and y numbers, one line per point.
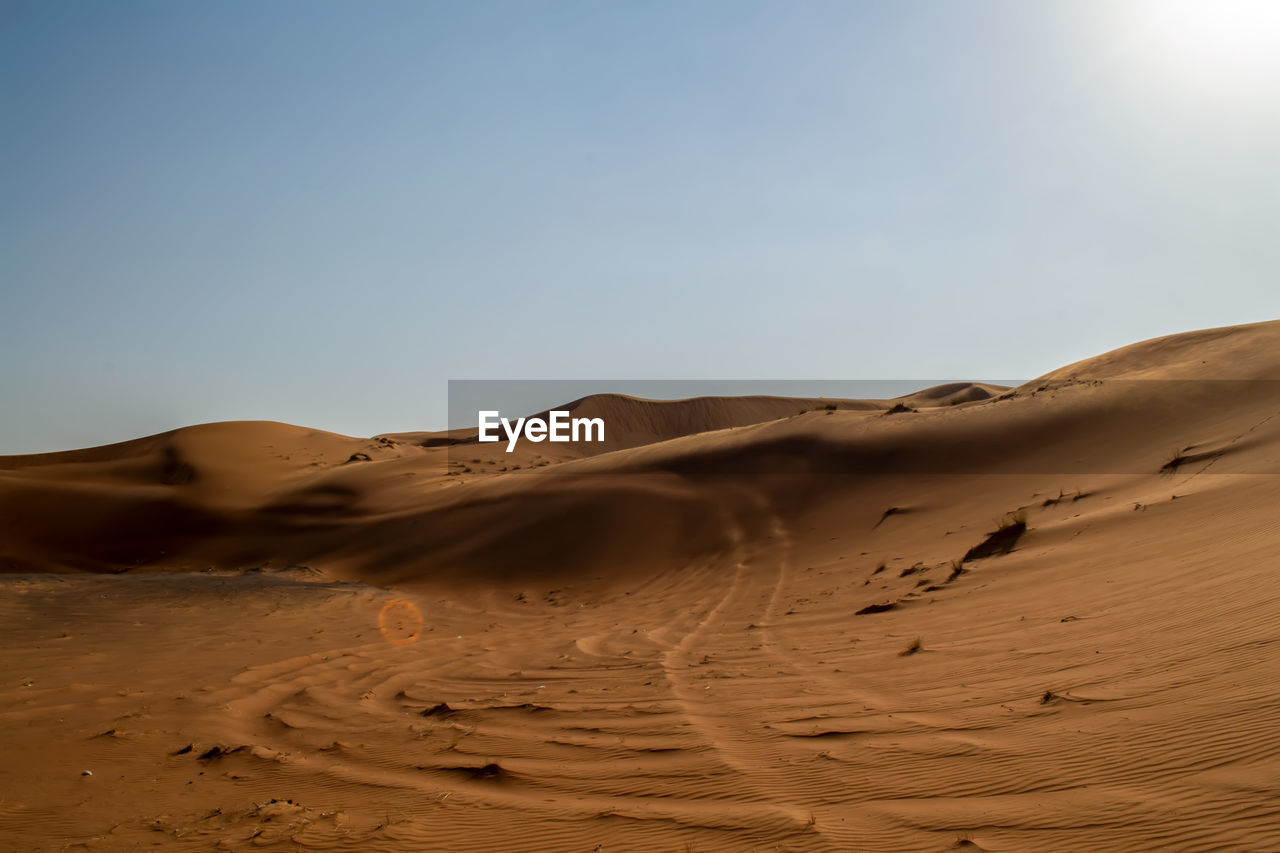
pixel 400 622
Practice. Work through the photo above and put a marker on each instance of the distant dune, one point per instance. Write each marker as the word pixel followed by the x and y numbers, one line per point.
pixel 972 618
pixel 634 421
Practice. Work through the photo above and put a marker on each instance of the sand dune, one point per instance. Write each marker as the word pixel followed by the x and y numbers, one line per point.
pixel 635 421
pixel 973 618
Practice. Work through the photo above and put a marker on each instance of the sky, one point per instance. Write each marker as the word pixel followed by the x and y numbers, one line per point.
pixel 320 212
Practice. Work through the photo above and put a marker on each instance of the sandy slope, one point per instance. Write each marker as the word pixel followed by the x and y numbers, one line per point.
pixel 661 647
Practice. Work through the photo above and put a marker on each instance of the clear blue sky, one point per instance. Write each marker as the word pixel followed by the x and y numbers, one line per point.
pixel 319 212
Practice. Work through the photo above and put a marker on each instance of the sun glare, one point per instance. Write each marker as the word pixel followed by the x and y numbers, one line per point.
pixel 1221 43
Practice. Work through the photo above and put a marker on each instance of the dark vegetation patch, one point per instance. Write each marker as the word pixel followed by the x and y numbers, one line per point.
pixel 1050 698
pixel 214 753
pixel 999 542
pixel 1181 457
pixel 488 772
pixel 1063 497
pixel 893 510
pixel 899 409
pixel 876 608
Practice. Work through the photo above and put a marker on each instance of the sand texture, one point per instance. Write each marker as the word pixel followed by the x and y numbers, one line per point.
pixel 1047 619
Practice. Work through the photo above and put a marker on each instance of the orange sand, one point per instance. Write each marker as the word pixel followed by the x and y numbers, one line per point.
pixel 658 647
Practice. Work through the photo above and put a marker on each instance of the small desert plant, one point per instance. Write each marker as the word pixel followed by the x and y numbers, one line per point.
pixel 876 608
pixel 893 510
pixel 830 407
pixel 1013 519
pixel 1010 521
pixel 1008 531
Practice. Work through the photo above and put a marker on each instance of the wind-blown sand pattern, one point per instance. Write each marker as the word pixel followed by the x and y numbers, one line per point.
pixel 754 629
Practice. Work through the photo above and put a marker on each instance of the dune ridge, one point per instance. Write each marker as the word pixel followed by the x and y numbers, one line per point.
pixel 635 421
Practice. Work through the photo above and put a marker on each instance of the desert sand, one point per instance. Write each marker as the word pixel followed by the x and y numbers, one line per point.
pixel 1045 619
